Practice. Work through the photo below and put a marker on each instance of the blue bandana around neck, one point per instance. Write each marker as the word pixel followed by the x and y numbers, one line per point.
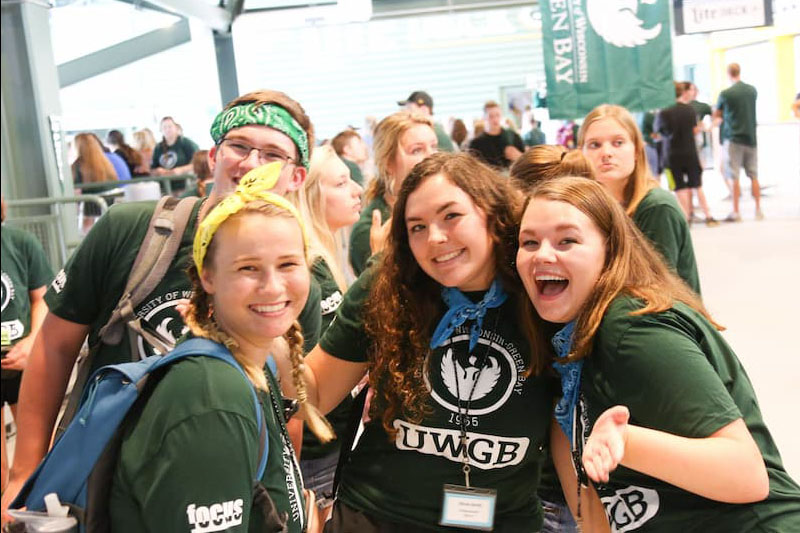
pixel 461 309
pixel 570 378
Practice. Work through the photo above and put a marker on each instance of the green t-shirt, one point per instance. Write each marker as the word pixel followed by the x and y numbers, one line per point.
pixel 534 137
pixel 445 143
pixel 330 300
pixel 360 250
pixel 662 221
pixel 355 171
pixel 401 480
pixel 24 268
pixel 190 455
pixel 738 105
pixel 174 155
pixel 701 109
pixel 89 286
pixel 676 373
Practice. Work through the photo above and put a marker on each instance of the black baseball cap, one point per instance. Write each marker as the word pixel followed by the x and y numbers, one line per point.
pixel 419 98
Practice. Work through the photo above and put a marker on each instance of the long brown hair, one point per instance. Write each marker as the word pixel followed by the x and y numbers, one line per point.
pixel 131 156
pixel 386 143
pixel 641 179
pixel 201 321
pixel 92 162
pixel 548 161
pixel 405 303
pixel 632 266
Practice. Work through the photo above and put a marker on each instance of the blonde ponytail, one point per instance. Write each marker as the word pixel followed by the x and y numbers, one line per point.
pixel 309 412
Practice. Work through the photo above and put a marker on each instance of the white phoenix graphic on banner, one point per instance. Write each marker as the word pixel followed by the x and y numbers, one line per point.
pixel 616 22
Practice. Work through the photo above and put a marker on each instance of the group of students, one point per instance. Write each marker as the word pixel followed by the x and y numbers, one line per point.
pixel 94 162
pixel 498 323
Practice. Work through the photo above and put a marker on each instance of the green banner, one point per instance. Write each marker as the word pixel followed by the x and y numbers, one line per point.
pixel 606 52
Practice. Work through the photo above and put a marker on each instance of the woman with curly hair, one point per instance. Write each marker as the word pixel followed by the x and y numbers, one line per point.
pixel 459 412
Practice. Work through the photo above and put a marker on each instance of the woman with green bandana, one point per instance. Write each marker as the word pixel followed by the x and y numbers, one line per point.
pixel 657 411
pixel 402 140
pixel 190 452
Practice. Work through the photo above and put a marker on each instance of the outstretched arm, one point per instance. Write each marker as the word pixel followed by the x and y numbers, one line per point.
pixel 726 466
pixel 328 378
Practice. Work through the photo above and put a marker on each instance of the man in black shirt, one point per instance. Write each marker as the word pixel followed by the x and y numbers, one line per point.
pixel 496 146
pixel 678 124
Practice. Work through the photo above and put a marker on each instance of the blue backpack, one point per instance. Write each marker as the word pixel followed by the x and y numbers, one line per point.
pixel 80 466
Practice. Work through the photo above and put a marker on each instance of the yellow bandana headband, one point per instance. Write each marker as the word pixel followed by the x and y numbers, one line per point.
pixel 255 185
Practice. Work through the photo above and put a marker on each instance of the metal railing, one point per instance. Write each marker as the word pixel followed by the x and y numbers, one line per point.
pixel 48 228
pixel 164 181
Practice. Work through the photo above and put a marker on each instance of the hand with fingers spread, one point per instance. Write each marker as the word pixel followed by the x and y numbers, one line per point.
pixel 605 448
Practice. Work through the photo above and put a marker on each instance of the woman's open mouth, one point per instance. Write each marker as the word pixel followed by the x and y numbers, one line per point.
pixel 550 285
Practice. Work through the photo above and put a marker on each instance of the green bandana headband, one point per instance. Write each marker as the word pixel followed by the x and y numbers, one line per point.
pixel 270 115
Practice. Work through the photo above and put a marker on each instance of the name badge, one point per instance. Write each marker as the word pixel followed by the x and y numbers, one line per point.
pixel 468 507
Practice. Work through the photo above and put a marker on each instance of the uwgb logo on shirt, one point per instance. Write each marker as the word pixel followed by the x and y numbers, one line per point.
pixel 215 517
pixel 485 451
pixel 629 508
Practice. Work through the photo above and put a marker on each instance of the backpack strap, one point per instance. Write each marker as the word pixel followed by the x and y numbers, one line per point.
pixel 156 253
pixel 209 348
pixel 155 256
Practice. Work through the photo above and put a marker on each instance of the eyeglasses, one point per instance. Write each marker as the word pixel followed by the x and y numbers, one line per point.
pixel 241 150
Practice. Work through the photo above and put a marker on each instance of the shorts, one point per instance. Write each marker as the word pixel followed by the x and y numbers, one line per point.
pixel 557 517
pixel 684 172
pixel 741 155
pixel 318 476
pixel 9 388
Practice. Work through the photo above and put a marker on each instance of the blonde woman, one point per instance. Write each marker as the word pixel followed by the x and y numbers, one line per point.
pixel 328 201
pixel 612 142
pixel 193 446
pixel 401 141
pixel 144 142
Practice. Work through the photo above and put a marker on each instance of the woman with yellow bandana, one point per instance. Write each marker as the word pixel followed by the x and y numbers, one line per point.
pixel 189 454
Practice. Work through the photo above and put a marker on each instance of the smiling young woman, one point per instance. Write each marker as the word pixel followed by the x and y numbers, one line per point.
pixel 193 446
pixel 458 394
pixel 654 402
pixel 402 140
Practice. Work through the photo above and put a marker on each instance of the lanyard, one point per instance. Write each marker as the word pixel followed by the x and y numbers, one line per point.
pixel 287 442
pixel 462 417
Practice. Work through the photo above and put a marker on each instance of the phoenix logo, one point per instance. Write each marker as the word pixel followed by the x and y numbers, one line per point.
pixel 617 23
pixel 469 382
